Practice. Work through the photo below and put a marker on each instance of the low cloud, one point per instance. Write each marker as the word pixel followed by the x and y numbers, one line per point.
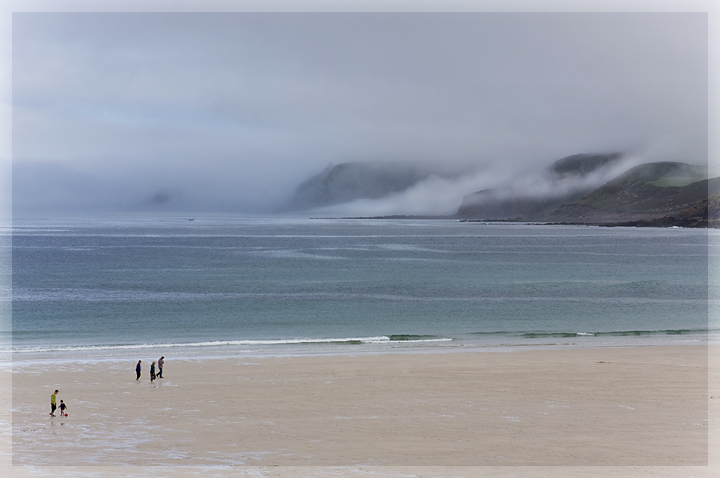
pixel 442 196
pixel 230 112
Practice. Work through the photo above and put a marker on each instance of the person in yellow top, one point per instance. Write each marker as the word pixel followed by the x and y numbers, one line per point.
pixel 53 403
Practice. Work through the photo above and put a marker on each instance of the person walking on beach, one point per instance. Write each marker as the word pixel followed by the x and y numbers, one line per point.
pixel 53 404
pixel 152 372
pixel 138 369
pixel 63 407
pixel 161 362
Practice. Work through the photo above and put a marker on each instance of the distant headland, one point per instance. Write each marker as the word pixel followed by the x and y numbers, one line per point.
pixel 583 189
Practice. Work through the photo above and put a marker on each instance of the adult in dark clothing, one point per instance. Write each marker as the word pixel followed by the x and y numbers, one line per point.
pixel 138 369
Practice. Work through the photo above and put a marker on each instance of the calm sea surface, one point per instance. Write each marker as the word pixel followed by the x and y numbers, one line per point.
pixel 274 286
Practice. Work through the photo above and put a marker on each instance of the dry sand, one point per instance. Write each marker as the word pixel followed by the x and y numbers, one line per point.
pixel 590 412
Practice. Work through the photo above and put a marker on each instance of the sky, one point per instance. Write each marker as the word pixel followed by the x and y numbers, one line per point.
pixel 230 112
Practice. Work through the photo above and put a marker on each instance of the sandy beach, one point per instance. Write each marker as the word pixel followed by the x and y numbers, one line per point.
pixel 639 411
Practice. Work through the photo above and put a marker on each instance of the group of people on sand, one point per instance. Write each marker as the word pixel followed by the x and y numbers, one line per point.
pixel 54 406
pixel 160 363
pixel 138 370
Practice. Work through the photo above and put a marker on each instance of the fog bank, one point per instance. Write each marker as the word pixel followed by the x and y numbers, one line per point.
pixel 231 112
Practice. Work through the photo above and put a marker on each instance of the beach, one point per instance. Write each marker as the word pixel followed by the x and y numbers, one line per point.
pixel 641 408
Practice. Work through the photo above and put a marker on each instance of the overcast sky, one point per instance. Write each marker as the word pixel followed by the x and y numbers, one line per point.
pixel 231 111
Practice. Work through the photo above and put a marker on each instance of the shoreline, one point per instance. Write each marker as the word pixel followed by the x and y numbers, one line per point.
pixel 658 222
pixel 112 354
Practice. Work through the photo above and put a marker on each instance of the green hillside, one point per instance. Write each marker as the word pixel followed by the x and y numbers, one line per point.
pixel 649 186
pixel 646 191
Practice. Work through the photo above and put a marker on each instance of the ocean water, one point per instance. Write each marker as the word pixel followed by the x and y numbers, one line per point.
pixel 266 286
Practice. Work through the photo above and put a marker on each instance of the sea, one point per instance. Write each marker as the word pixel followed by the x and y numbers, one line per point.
pixel 222 285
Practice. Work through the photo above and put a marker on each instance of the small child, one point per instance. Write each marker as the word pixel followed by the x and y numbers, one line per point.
pixel 152 372
pixel 63 407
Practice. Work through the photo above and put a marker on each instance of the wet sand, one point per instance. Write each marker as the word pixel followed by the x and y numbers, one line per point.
pixel 631 411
